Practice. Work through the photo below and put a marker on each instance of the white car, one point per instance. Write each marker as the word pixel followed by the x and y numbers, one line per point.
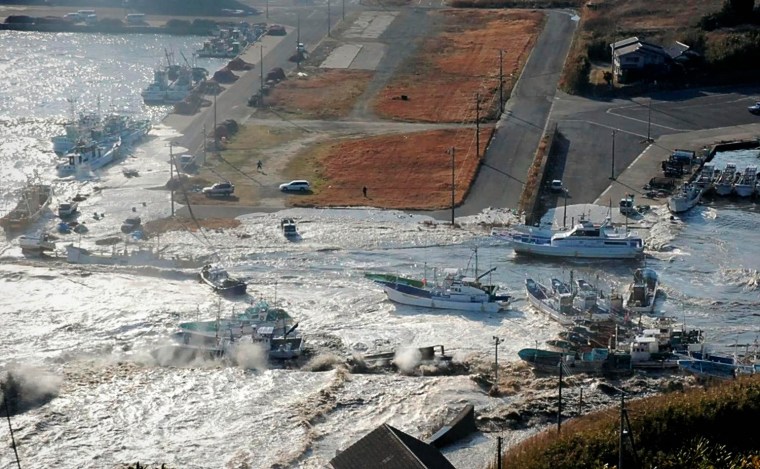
pixel 556 185
pixel 298 185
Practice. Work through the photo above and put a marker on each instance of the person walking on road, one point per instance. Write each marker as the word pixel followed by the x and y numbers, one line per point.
pixel 364 191
pixel 259 165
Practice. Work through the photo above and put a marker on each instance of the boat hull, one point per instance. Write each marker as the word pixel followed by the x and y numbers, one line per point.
pixel 437 302
pixel 592 252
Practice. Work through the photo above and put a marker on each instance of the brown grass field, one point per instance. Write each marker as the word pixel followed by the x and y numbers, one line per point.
pixel 409 171
pixel 451 68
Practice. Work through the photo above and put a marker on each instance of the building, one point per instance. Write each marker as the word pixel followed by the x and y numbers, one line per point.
pixel 634 59
pixel 389 448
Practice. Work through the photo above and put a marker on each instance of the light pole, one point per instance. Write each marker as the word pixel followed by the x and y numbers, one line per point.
pixel 267 9
pixel 501 81
pixel 612 174
pixel 477 125
pixel 649 122
pixel 497 341
pixel 453 159
pixel 328 19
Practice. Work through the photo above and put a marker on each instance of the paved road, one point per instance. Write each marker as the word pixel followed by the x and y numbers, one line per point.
pixel 510 154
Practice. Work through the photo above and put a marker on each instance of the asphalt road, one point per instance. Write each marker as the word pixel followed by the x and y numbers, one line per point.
pixel 501 178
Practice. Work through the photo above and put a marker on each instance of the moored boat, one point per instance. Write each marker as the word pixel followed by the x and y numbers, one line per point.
pixel 584 240
pixel 129 256
pixel 725 184
pixel 685 198
pixel 745 186
pixel 221 281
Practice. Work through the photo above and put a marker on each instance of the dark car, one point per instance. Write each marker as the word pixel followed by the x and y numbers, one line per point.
pixel 754 109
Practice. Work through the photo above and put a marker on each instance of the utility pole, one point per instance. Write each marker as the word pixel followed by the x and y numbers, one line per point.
pixel 344 10
pixel 216 139
pixel 453 159
pixel 622 431
pixel 501 81
pixel 267 8
pixel 477 125
pixel 559 402
pixel 498 452
pixel 171 173
pixel 205 137
pixel 612 174
pixel 580 404
pixel 497 341
pixel 261 72
pixel 649 122
pixel 564 215
pixel 328 19
pixel 10 427
pixel 299 50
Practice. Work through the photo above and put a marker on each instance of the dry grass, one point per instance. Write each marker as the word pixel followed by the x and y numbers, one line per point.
pixel 322 94
pixel 409 171
pixel 442 80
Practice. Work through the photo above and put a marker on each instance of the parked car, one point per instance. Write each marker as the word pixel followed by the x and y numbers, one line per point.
pixel 220 189
pixel 556 185
pixel 297 185
pixel 755 108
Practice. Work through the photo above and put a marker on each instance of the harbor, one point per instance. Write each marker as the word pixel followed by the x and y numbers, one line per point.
pixel 106 316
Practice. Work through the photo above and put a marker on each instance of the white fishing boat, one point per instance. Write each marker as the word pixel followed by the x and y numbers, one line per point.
pixel 584 240
pixel 455 291
pixel 642 292
pixel 88 158
pixel 707 176
pixel 164 91
pixel 91 129
pixel 725 185
pixel 745 186
pixel 685 198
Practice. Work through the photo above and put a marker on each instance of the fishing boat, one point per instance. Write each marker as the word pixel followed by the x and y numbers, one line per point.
pixel 272 328
pixel 288 226
pixel 221 282
pixel 687 196
pixel 35 197
pixel 91 129
pixel 564 305
pixel 642 292
pixel 584 240
pixel 745 186
pixel 728 177
pixel 455 291
pixel 164 90
pixel 86 158
pixel 707 176
pixel 717 369
pixel 597 361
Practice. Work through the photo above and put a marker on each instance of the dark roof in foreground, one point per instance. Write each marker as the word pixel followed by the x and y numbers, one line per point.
pixel 389 448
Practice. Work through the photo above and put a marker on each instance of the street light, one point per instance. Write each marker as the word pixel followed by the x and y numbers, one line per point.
pixel 497 341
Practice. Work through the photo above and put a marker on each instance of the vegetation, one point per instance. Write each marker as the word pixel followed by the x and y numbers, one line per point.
pixel 694 429
pixel 723 34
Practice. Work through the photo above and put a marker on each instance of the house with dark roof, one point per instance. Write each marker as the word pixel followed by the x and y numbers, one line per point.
pixel 387 447
pixel 635 59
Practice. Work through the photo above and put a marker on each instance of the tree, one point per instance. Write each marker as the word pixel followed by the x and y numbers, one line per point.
pixel 742 7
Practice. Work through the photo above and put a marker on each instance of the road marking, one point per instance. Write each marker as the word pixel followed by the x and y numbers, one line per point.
pixel 610 111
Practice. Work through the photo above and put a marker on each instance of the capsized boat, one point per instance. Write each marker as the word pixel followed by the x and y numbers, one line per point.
pixel 584 240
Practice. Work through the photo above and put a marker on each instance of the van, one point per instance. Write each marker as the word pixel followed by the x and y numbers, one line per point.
pixel 135 18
